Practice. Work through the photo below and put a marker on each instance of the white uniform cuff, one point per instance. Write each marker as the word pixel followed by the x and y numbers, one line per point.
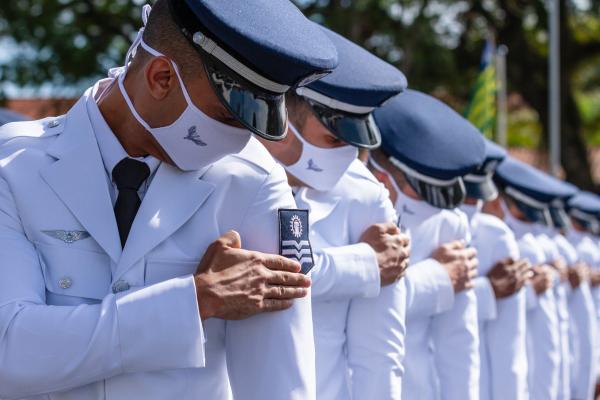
pixel 430 289
pixel 568 288
pixel 346 272
pixel 486 299
pixel 531 296
pixel 160 327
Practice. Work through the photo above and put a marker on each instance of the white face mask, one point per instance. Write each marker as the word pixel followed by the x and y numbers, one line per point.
pixel 194 140
pixel 321 168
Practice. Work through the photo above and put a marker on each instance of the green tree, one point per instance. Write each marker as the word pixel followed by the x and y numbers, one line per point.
pixel 438 45
pixel 64 42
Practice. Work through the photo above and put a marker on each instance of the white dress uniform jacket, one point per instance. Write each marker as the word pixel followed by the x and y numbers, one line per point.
pixel 356 324
pixel 442 341
pixel 584 324
pixel 552 254
pixel 502 322
pixel 543 335
pixel 69 329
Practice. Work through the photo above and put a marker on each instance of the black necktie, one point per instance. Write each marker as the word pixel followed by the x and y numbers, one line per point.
pixel 128 175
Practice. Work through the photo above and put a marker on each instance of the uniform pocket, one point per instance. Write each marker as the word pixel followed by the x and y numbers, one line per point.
pixel 162 270
pixel 75 272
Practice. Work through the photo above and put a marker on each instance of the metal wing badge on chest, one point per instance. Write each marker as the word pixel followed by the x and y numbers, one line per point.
pixel 293 237
pixel 67 236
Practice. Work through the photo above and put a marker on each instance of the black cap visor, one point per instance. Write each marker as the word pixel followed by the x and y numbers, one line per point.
pixel 587 221
pixel 358 130
pixel 447 196
pixel 262 112
pixel 532 213
pixel 560 219
pixel 481 187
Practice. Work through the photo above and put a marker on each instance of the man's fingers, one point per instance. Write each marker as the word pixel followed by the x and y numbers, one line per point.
pixel 455 245
pixel 523 274
pixel 279 263
pixel 231 239
pixel 269 305
pixel 285 292
pixel 472 274
pixel 522 265
pixel 390 228
pixel 470 252
pixel 285 278
pixel 405 240
pixel 508 261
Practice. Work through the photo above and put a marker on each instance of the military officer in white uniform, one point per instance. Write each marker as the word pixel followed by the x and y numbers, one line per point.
pixel 426 148
pixel 358 297
pixel 518 183
pixel 545 192
pixel 499 288
pixel 584 369
pixel 110 287
pixel 554 258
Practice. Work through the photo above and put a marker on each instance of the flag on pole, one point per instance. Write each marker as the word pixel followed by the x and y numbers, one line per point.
pixel 482 107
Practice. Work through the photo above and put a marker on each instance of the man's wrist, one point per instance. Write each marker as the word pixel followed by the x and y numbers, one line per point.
pixel 206 307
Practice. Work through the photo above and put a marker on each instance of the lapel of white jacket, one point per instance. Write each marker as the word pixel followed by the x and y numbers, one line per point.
pixel 172 199
pixel 79 179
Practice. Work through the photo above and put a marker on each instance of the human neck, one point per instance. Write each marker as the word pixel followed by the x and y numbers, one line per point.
pixel 134 138
pixel 408 191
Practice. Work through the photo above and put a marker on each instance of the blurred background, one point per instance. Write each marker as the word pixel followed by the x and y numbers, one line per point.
pixel 489 59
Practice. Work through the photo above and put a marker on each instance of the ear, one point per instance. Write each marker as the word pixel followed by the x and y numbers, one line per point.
pixel 160 77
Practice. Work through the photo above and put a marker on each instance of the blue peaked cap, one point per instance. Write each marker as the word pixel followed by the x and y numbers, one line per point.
pixel 480 184
pixel 361 78
pixel 531 181
pixel 585 201
pixel 428 136
pixel 272 37
pixel 493 151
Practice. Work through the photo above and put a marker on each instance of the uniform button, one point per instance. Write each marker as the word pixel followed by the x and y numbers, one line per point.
pixel 198 37
pixel 65 283
pixel 54 123
pixel 120 286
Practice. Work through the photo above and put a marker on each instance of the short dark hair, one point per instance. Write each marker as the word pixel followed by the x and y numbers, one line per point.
pixel 298 109
pixel 163 34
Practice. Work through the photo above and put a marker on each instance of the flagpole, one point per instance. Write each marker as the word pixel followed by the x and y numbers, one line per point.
pixel 554 86
pixel 502 118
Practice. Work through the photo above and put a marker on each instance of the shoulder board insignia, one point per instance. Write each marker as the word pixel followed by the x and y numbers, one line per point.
pixel 293 237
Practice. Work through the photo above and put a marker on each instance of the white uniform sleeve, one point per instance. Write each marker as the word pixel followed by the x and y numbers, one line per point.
pixel 345 272
pixel 271 355
pixel 376 327
pixel 352 271
pixel 531 297
pixel 456 341
pixel 583 339
pixel 429 289
pixel 504 245
pixel 505 336
pixel 455 335
pixel 48 348
pixel 506 343
pixel 543 339
pixel 486 299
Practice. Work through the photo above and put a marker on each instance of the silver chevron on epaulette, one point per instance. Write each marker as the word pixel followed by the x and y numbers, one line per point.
pixel 67 236
pixel 301 251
